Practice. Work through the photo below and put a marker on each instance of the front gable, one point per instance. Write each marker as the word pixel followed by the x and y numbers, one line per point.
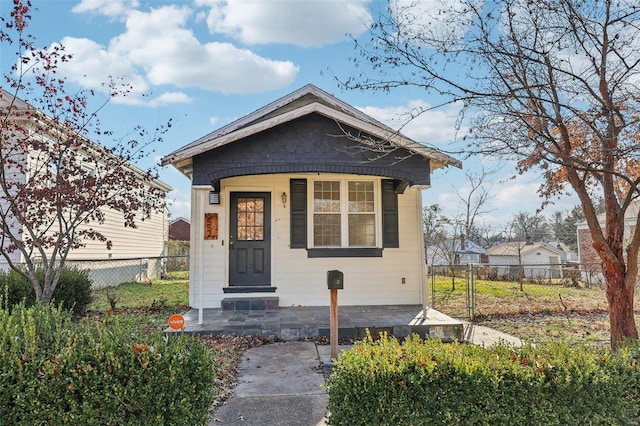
pixel 302 186
pixel 312 143
pixel 309 100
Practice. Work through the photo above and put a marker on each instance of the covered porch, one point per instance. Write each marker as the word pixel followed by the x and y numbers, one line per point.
pixel 306 322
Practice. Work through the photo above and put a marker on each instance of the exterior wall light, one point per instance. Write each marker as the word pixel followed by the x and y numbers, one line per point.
pixel 214 197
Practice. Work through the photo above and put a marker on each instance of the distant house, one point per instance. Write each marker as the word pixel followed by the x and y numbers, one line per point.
pixel 537 259
pixel 144 241
pixel 180 229
pixel 302 186
pixel 456 251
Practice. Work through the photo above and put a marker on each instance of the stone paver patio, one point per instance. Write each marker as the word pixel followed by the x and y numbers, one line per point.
pixel 300 322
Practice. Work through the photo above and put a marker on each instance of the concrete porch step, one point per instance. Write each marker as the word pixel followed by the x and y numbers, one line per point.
pixel 266 303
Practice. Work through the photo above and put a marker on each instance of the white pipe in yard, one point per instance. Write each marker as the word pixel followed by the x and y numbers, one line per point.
pixel 200 221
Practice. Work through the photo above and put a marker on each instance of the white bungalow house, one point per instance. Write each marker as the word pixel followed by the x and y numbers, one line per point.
pixel 128 245
pixel 537 259
pixel 302 186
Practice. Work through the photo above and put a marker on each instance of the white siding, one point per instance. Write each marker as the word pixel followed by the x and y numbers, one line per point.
pixel 299 279
pixel 208 261
pixel 147 240
pixel 19 177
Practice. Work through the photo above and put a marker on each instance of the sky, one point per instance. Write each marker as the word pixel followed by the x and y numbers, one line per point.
pixel 206 63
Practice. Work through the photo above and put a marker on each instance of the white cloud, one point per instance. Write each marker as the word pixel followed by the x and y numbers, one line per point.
pixel 169 98
pixel 307 23
pixel 92 65
pixel 213 121
pixel 509 195
pixel 433 21
pixel 415 120
pixel 517 194
pixel 158 49
pixel 112 8
pixel 520 195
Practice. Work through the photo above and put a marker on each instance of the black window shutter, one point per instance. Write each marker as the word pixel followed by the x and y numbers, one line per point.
pixel 298 208
pixel 390 238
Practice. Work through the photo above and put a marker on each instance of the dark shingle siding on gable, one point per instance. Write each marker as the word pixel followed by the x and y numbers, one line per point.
pixel 312 143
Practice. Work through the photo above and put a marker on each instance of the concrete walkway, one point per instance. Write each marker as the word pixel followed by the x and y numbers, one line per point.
pixel 279 384
pixel 486 337
pixel 282 383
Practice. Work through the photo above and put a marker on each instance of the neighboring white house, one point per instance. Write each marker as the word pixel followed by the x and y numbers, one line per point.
pixel 456 251
pixel 146 240
pixel 537 259
pixel 302 186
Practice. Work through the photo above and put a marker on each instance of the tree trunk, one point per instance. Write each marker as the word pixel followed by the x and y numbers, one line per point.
pixel 44 292
pixel 46 297
pixel 453 279
pixel 620 298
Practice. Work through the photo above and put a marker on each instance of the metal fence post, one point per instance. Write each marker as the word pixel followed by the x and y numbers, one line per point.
pixel 433 288
pixel 471 292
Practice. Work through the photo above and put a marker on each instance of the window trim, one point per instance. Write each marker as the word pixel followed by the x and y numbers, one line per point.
pixel 389 229
pixel 344 252
pixel 344 214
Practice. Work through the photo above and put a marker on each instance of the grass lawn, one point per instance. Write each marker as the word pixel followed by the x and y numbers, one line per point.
pixel 573 327
pixel 508 297
pixel 534 312
pixel 172 291
pixel 144 305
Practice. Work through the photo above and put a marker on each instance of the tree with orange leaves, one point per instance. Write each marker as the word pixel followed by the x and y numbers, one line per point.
pixel 551 84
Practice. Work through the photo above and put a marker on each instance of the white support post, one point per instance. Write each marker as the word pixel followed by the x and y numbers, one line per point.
pixel 424 291
pixel 202 202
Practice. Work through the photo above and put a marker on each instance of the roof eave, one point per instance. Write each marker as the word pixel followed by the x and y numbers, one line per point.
pixel 182 157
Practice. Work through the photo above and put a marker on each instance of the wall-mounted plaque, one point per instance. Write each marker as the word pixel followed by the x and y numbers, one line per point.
pixel 211 226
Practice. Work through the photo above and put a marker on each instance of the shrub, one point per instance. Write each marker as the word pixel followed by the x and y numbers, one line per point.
pixel 55 372
pixel 73 291
pixel 429 382
pixel 14 288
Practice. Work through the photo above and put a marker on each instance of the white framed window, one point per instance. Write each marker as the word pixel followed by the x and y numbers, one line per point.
pixel 344 213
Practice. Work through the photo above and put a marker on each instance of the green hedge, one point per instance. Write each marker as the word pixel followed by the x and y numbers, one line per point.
pixel 55 372
pixel 73 291
pixel 416 382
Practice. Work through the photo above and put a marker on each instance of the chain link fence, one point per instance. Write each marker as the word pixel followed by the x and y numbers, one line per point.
pixel 467 291
pixel 112 272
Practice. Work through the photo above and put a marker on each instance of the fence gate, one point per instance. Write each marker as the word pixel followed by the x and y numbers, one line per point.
pixel 453 290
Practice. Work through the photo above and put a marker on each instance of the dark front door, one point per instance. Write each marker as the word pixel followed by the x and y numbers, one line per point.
pixel 250 239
